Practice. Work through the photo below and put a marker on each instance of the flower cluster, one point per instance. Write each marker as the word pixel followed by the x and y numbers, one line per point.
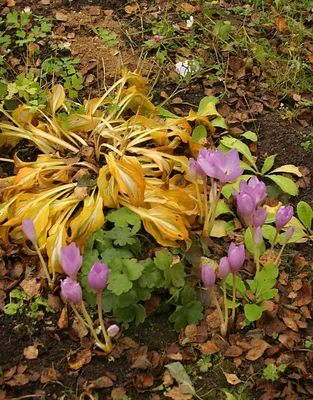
pixel 71 261
pixel 229 264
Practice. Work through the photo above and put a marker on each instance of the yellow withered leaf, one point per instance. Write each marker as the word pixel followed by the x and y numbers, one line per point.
pixel 138 101
pixel 22 115
pixel 25 178
pixel 82 123
pixel 162 223
pixel 89 219
pixel 57 98
pixel 129 176
pixel 108 188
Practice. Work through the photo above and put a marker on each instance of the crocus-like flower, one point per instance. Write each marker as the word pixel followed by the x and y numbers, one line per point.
pixel 29 230
pixel 199 7
pixel 224 167
pixel 190 22
pixel 259 217
pixel 236 257
pixel 283 216
pixel 113 330
pixel 258 237
pixel 208 275
pixel 224 268
pixel 71 291
pixel 98 276
pixel 194 169
pixel 289 233
pixel 258 188
pixel 245 203
pixel 71 260
pixel 157 38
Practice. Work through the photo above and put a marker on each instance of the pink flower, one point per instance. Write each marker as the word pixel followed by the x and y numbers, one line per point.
pixel 245 203
pixel 113 330
pixel 199 7
pixel 208 275
pixel 224 268
pixel 194 169
pixel 71 260
pixel 98 276
pixel 258 237
pixel 71 291
pixel 29 230
pixel 224 167
pixel 259 217
pixel 283 216
pixel 236 257
pixel 289 233
pixel 157 38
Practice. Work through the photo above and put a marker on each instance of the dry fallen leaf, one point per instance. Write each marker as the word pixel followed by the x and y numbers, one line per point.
pixel 63 320
pixel 209 348
pixel 281 24
pixel 259 346
pixel 131 8
pixel 232 379
pixel 31 352
pixel 31 287
pixel 176 394
pixel 78 359
pixel 233 351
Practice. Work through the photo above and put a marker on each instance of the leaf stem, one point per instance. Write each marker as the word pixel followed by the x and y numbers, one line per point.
pixel 78 315
pixel 91 328
pixel 225 308
pixel 272 247
pixel 44 265
pixel 199 201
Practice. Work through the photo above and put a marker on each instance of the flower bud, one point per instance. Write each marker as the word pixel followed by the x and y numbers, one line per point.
pixel 259 217
pixel 199 7
pixel 71 291
pixel 113 330
pixel 71 260
pixel 236 257
pixel 157 38
pixel 208 275
pixel 258 237
pixel 289 233
pixel 29 230
pixel 98 276
pixel 224 268
pixel 246 204
pixel 283 216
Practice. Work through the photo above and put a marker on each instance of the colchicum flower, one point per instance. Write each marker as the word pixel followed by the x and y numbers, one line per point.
pixel 71 291
pixel 71 260
pixel 194 169
pixel 208 276
pixel 113 330
pixel 251 195
pixel 236 257
pixel 259 217
pixel 157 38
pixel 29 230
pixel 224 268
pixel 98 276
pixel 224 167
pixel 258 237
pixel 283 216
pixel 289 233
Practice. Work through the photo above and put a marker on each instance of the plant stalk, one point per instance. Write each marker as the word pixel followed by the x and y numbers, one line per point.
pixel 108 343
pixel 44 265
pixel 233 311
pixel 199 201
pixel 91 328
pixel 272 247
pixel 225 327
pixel 220 314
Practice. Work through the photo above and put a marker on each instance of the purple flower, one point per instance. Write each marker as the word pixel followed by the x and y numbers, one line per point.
pixel 157 38
pixel 194 169
pixel 71 291
pixel 71 260
pixel 224 268
pixel 289 233
pixel 208 275
pixel 198 7
pixel 245 203
pixel 98 276
pixel 236 257
pixel 224 167
pixel 259 217
pixel 258 188
pixel 258 237
pixel 283 216
pixel 113 330
pixel 29 230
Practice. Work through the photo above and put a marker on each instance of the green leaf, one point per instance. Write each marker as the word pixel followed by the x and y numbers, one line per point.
pixel 162 112
pixel 253 312
pixel 268 164
pixel 124 217
pixel 241 147
pixel 219 122
pixel 269 232
pixel 12 18
pixel 13 308
pixel 207 107
pixel 305 213
pixel 123 273
pixel 260 54
pixel 187 295
pixel 250 136
pixel 269 294
pixel 190 313
pixel 121 235
pixel 24 18
pixel 246 167
pixel 270 373
pixel 286 184
pixel 289 169
pixel 112 253
pixel 175 275
pixel 249 242
pixel 228 189
pixel 199 133
pixel 240 286
pixel 90 257
pixel 223 208
pixel 135 312
pixel 152 277
pixel 163 259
